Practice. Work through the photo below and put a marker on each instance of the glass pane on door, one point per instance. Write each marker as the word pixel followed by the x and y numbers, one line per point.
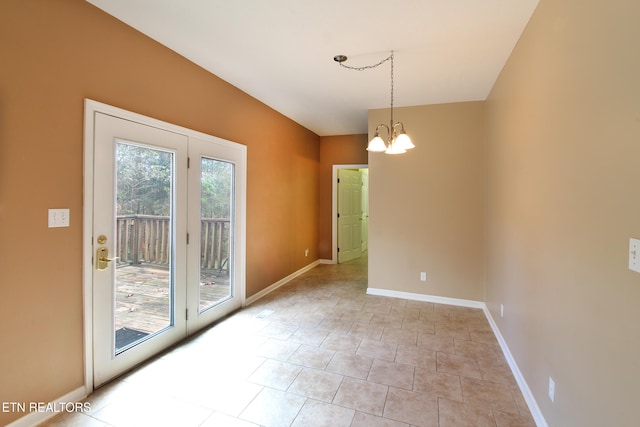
pixel 144 285
pixel 216 231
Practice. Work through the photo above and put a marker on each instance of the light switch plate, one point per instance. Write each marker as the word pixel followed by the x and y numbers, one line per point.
pixel 58 218
pixel 634 255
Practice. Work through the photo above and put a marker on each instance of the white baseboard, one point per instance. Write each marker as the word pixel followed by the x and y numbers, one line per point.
pixel 427 298
pixel 268 290
pixel 35 418
pixel 522 383
pixel 326 261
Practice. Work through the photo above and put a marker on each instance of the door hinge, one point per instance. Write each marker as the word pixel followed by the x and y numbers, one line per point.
pixel 188 162
pixel 186 314
pixel 338 249
pixel 338 214
pixel 338 180
pixel 187 238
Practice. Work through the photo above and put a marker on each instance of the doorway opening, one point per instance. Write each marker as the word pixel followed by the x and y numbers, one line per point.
pixel 350 219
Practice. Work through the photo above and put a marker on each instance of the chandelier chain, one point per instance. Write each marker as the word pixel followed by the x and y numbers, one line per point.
pixel 367 67
pixel 391 122
pixel 397 139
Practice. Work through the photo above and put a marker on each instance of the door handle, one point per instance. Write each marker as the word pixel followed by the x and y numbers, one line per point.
pixel 102 258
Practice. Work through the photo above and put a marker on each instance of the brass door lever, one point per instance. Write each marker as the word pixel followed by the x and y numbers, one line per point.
pixel 102 258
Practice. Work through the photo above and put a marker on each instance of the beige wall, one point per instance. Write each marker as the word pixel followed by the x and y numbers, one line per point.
pixel 427 206
pixel 54 54
pixel 563 134
pixel 334 150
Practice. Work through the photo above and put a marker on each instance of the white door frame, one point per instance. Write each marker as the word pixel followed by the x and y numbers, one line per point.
pixel 365 210
pixel 334 208
pixel 91 108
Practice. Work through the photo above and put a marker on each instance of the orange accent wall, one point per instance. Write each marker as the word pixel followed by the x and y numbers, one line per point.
pixel 54 55
pixel 335 150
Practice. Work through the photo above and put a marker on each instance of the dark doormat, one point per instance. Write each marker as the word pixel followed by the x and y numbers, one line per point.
pixel 126 336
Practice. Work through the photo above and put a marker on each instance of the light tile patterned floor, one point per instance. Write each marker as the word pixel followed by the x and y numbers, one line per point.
pixel 320 352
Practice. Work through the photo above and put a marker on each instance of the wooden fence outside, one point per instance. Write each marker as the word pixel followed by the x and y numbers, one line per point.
pixel 146 239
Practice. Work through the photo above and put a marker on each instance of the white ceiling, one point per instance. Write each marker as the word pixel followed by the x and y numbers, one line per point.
pixel 281 51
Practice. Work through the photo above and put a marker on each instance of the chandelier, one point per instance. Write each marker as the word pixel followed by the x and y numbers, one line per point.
pixel 397 139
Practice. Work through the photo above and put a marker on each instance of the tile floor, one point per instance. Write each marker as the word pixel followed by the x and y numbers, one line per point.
pixel 320 352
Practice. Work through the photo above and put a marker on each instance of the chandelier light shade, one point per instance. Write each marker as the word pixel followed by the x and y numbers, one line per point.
pixel 377 144
pixel 398 141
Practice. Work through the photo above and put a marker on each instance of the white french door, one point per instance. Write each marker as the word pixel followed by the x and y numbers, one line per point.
pixel 215 254
pixel 166 253
pixel 137 305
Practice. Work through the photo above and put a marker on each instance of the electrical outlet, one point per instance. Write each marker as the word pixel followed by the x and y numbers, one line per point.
pixel 306 252
pixel 634 255
pixel 501 310
pixel 552 389
pixel 58 218
pixel 423 276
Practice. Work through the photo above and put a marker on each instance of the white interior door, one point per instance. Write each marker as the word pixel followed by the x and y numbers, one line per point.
pixel 139 229
pixel 349 214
